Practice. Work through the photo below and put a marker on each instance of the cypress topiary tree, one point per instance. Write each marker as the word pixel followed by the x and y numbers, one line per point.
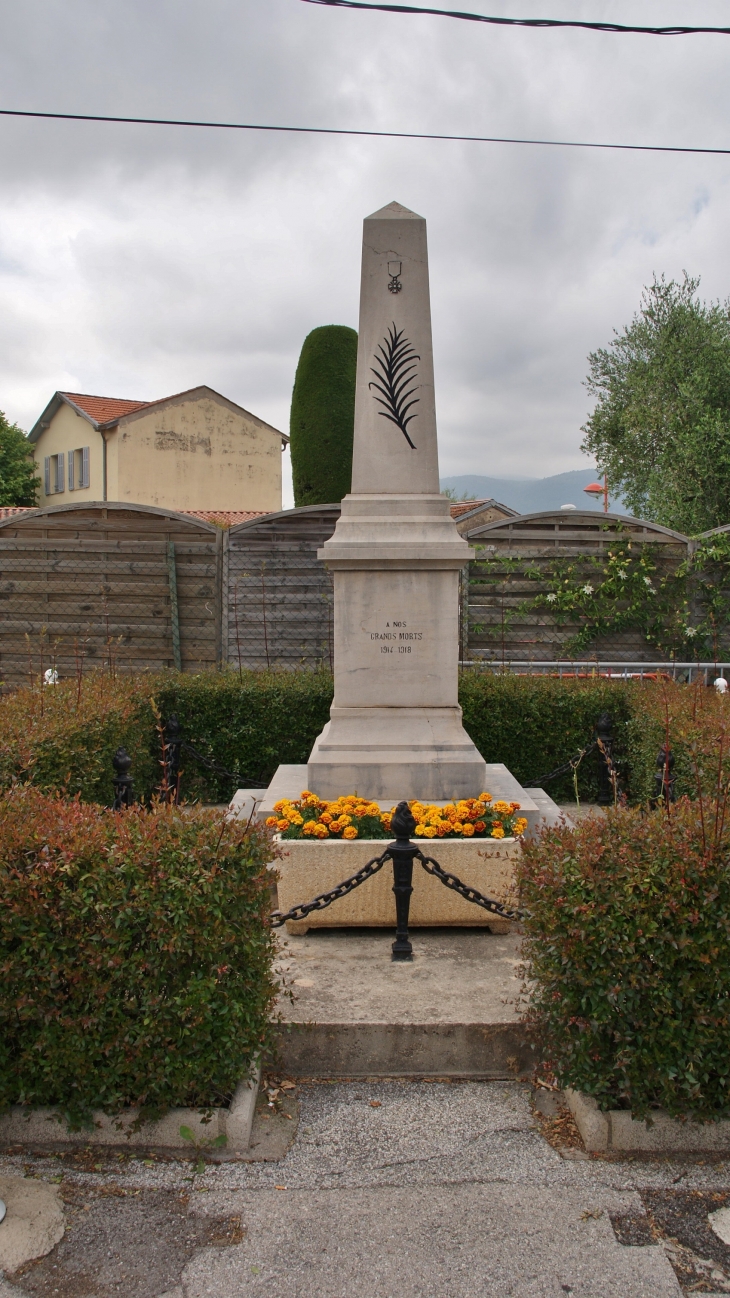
pixel 323 416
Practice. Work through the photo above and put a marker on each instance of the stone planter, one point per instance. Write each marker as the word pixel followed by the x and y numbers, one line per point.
pixel 309 868
pixel 615 1130
pixel 23 1126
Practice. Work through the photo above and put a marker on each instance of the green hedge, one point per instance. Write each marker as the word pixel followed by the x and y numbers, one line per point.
pixel 250 723
pixel 323 416
pixel 626 948
pixel 62 737
pixel 135 967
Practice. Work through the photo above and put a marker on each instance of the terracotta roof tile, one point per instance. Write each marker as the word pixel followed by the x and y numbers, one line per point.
pixel 226 517
pixel 464 506
pixel 102 409
pixel 7 511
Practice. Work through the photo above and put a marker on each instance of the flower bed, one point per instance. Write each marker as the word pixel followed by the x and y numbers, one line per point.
pixel 351 817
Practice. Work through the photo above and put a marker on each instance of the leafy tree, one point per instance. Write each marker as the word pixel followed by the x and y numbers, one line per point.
pixel 323 416
pixel 18 479
pixel 661 425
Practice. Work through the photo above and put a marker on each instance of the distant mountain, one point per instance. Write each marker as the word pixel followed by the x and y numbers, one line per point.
pixel 530 495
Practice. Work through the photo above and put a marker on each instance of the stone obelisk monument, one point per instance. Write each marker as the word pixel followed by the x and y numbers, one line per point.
pixel 396 728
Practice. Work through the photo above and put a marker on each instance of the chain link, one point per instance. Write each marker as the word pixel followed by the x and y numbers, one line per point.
pixel 468 893
pixel 326 898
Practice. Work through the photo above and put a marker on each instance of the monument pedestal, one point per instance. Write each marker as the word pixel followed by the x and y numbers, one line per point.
pixel 392 753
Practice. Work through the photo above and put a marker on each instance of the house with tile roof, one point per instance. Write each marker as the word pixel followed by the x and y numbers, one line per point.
pixel 192 452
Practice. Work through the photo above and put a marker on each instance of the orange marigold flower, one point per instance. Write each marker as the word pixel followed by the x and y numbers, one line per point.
pixel 468 830
pixel 430 831
pixel 480 827
pixel 485 797
pixel 326 818
pixel 281 825
pixel 271 821
pixel 350 832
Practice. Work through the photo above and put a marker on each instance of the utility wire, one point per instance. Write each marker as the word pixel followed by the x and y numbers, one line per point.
pixel 523 22
pixel 379 135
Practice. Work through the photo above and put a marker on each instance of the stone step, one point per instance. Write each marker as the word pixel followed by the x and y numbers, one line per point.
pixel 451 1012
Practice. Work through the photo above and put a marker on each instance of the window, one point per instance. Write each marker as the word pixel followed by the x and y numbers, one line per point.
pixel 78 469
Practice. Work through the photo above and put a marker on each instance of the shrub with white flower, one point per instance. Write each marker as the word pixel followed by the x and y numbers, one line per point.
pixel 587 590
pixel 552 597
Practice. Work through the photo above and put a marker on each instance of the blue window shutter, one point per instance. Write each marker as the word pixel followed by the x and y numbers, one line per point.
pixel 47 475
pixel 85 471
pixel 60 471
pixel 71 465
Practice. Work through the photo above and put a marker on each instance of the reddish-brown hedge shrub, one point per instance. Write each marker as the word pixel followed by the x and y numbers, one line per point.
pixel 135 961
pixel 628 955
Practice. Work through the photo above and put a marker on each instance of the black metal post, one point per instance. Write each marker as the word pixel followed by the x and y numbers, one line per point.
pixel 123 782
pixel 604 733
pixel 402 852
pixel 664 777
pixel 173 745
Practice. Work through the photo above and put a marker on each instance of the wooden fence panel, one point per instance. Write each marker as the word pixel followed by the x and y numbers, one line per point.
pixel 502 628
pixel 278 593
pixel 92 585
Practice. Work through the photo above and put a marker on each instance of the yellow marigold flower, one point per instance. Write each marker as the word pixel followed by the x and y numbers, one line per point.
pixel 503 808
pixel 420 830
pixel 279 806
pixel 310 828
pixel 373 809
pixel 520 825
pixel 350 832
pixel 485 797
pixel 271 821
pixel 430 831
pixel 345 820
pixel 457 827
pixel 497 831
pixel 468 830
pixel 296 819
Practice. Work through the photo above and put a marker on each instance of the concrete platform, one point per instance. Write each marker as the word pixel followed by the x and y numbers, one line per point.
pixel 451 1012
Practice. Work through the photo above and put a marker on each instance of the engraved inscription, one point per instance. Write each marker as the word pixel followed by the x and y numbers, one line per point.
pixel 396 638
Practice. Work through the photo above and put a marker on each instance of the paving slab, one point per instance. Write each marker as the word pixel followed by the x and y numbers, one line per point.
pixel 482 1242
pixel 451 1011
pixel 391 1187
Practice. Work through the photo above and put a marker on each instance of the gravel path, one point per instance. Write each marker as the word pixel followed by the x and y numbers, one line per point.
pixel 414 1190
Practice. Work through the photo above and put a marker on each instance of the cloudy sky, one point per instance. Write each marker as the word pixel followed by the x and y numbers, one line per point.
pixel 137 261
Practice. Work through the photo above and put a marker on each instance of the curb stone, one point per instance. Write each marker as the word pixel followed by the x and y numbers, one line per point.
pixel 22 1126
pixel 615 1130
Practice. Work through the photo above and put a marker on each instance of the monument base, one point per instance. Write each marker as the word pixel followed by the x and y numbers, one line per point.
pixel 394 753
pixel 290 781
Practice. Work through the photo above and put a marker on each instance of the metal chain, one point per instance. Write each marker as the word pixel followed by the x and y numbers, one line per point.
pixel 326 898
pixel 468 893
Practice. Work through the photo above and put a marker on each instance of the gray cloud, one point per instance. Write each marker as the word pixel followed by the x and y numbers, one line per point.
pixel 140 260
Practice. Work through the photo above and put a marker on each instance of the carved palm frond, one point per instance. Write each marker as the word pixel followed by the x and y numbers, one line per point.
pixel 394 368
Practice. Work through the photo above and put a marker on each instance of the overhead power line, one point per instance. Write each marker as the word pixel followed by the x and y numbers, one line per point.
pixel 341 130
pixel 523 22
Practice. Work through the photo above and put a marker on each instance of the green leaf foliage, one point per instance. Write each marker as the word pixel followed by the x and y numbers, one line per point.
pixel 135 961
pixel 626 951
pixel 323 416
pixel 661 424
pixel 19 482
pixel 63 737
